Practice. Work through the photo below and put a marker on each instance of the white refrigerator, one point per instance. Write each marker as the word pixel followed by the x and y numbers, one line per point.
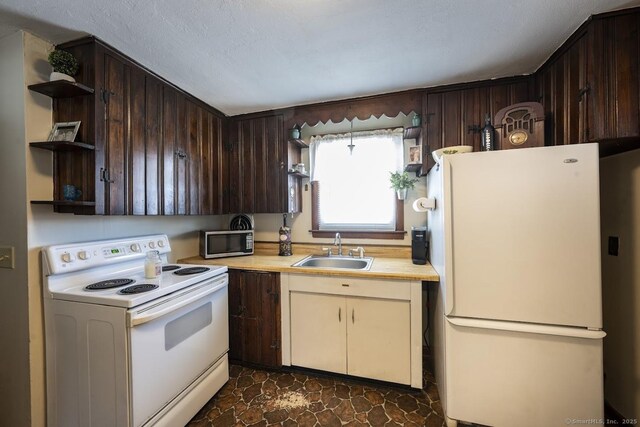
pixel 515 238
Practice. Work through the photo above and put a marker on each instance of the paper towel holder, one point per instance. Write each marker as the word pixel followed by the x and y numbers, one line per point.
pixel 424 204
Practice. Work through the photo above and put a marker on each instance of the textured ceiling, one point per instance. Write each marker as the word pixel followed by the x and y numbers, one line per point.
pixel 248 55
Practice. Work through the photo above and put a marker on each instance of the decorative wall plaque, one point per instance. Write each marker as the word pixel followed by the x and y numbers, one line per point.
pixel 520 125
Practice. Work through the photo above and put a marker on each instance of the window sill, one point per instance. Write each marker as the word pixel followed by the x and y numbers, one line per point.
pixel 361 234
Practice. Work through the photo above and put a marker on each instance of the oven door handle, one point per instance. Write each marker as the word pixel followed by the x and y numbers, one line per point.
pixel 150 312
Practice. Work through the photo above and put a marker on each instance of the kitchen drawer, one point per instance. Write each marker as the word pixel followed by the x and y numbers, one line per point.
pixel 375 288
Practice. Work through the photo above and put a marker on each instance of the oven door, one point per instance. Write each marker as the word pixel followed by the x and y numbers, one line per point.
pixel 173 341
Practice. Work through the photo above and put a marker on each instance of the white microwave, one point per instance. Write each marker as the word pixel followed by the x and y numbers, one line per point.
pixel 220 244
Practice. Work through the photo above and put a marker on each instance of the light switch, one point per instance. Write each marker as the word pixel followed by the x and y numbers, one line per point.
pixel 6 257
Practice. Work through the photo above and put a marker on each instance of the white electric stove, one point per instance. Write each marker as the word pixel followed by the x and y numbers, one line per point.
pixel 124 350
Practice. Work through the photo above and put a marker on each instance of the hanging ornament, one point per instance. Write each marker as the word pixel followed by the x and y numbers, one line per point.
pixel 351 146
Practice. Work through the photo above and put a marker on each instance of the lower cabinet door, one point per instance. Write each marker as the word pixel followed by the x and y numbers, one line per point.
pixel 378 339
pixel 318 331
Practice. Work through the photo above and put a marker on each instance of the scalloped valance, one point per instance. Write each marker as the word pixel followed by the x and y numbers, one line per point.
pixel 361 108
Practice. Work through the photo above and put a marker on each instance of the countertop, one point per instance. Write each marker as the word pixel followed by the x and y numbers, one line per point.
pixel 383 266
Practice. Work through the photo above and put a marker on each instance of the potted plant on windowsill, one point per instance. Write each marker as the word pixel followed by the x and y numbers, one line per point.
pixel 64 64
pixel 401 182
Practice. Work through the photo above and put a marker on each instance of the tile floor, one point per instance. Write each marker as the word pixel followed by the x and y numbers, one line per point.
pixel 260 398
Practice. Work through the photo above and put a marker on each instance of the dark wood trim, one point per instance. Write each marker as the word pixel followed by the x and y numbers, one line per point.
pixel 400 215
pixel 383 235
pixel 610 147
pixel 397 234
pixel 503 81
pixel 615 13
pixel 315 204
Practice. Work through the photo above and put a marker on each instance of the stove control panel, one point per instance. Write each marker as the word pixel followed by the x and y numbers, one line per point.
pixel 80 256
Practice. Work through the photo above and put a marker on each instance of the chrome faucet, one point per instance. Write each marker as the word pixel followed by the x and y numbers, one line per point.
pixel 338 242
pixel 360 251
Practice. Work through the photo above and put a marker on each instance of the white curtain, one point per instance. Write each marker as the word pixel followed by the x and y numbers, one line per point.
pixel 354 187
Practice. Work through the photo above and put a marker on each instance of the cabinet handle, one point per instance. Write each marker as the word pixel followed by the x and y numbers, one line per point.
pixel 353 315
pixel 339 314
pixel 582 91
pixel 104 176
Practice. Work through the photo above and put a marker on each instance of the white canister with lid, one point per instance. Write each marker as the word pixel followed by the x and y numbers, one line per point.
pixel 152 265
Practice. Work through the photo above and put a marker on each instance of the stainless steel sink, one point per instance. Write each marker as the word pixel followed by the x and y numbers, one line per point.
pixel 335 262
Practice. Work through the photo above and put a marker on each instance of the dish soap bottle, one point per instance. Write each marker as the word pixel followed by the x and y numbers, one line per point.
pixel 152 265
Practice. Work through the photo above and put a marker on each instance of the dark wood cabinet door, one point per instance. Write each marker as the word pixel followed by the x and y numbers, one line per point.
pixel 257 165
pixel 168 150
pixel 136 142
pixel 475 104
pixel 262 151
pixel 115 150
pixel 153 164
pixel 194 140
pixel 254 317
pixel 432 138
pixel 207 168
pixel 181 165
pixel 597 58
pixel 270 172
pixel 624 75
pixel 236 324
pixel 575 92
pixel 241 167
pixel 218 172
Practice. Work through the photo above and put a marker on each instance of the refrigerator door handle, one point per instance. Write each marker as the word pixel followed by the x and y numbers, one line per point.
pixel 529 328
pixel 448 235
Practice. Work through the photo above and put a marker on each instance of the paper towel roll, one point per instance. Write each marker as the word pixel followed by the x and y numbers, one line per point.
pixel 423 204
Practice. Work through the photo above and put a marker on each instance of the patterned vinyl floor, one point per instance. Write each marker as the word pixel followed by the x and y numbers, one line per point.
pixel 263 398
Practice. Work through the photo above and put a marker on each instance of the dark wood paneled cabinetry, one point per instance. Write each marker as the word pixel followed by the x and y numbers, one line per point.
pixel 451 113
pixel 254 317
pixel 590 86
pixel 156 150
pixel 258 165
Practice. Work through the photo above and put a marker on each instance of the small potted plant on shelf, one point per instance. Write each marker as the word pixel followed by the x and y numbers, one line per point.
pixel 64 64
pixel 401 182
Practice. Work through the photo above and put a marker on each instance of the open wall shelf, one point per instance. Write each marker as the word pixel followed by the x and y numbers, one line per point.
pixel 62 145
pixel 61 89
pixel 299 142
pixel 62 202
pixel 412 132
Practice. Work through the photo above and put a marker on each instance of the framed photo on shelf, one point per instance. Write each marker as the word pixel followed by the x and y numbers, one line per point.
pixel 64 131
pixel 414 154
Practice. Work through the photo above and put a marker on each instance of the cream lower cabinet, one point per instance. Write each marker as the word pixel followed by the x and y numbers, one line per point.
pixel 318 332
pixel 378 345
pixel 365 328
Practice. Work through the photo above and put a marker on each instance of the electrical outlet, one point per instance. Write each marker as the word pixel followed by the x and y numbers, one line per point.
pixel 6 257
pixel 613 245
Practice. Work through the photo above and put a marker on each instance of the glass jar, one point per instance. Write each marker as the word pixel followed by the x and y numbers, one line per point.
pixel 152 265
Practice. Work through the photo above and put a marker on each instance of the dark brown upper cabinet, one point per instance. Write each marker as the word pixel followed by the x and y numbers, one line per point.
pixel 257 165
pixel 154 149
pixel 453 114
pixel 589 87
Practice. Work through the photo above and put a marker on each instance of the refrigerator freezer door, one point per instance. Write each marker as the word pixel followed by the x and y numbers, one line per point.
pixel 501 376
pixel 524 227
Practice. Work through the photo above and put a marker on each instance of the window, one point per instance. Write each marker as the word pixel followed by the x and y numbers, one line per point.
pixel 352 193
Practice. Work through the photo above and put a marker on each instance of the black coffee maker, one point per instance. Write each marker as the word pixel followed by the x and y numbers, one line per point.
pixel 419 245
